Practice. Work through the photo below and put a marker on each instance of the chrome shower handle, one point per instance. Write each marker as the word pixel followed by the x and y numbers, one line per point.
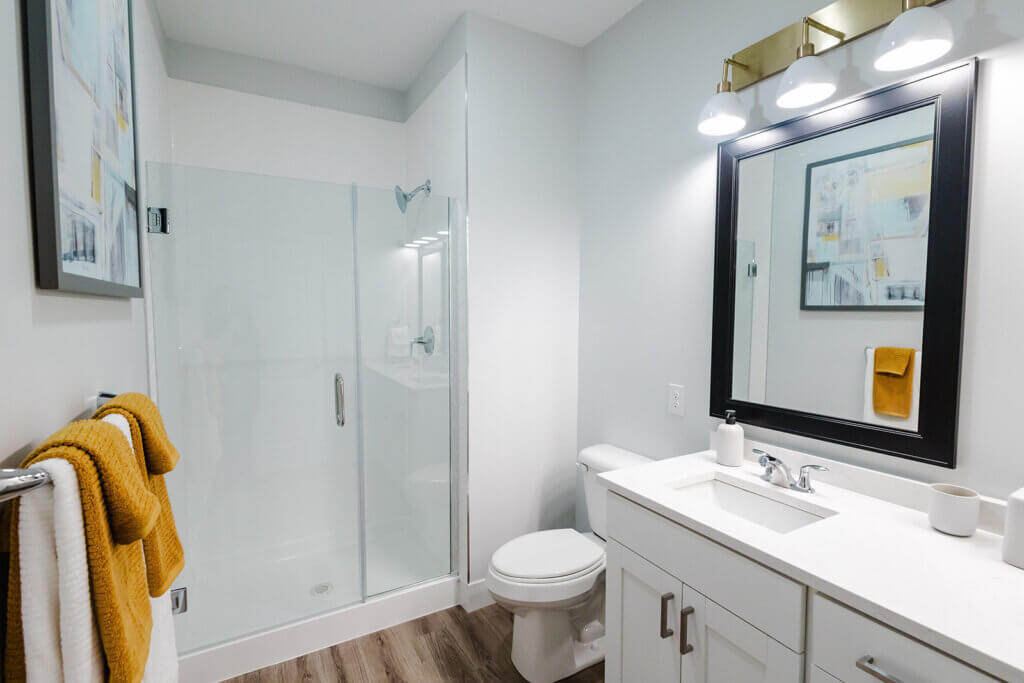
pixel 339 399
pixel 427 340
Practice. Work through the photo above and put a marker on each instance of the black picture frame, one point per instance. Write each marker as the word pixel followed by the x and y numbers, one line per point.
pixel 953 91
pixel 42 146
pixel 808 267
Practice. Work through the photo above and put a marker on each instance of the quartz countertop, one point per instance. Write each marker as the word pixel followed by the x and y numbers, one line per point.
pixel 885 560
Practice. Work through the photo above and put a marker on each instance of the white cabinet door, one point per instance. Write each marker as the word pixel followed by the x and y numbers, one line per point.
pixel 727 649
pixel 642 620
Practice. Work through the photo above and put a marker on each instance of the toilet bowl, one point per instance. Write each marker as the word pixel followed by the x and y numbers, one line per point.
pixel 553 583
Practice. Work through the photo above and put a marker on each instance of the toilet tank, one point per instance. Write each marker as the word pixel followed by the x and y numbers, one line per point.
pixel 594 460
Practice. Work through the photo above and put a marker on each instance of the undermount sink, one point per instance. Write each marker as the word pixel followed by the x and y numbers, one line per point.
pixel 734 497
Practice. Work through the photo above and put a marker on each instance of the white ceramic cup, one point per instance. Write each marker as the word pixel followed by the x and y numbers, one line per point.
pixel 953 509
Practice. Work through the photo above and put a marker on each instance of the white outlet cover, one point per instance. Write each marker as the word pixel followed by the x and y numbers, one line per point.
pixel 676 399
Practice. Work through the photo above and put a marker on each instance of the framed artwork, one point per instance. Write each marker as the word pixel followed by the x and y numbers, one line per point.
pixel 82 142
pixel 865 242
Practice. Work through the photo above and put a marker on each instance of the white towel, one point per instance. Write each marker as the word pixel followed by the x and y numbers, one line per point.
pixel 61 641
pixel 162 664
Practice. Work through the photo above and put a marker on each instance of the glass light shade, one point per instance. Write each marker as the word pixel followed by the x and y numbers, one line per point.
pixel 724 114
pixel 807 81
pixel 914 38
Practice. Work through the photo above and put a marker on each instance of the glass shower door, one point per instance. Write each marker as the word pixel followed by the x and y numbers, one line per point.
pixel 253 295
pixel 403 283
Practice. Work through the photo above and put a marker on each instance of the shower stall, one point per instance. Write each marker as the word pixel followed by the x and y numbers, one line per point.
pixel 303 346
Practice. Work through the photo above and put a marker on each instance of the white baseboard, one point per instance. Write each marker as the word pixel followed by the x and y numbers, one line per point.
pixel 294 640
pixel 474 596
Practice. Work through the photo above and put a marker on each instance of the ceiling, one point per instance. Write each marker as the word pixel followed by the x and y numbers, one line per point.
pixel 381 42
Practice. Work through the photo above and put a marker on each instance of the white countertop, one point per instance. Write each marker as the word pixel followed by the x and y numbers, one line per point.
pixel 882 559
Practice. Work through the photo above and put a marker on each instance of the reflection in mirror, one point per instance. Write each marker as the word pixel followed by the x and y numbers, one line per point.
pixel 831 250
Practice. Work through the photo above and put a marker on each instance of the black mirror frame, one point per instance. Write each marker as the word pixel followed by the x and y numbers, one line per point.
pixel 953 92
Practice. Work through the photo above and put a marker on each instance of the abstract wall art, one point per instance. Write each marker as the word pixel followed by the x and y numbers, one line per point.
pixel 866 229
pixel 80 90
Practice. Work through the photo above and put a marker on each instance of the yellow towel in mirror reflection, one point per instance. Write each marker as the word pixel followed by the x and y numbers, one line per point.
pixel 893 381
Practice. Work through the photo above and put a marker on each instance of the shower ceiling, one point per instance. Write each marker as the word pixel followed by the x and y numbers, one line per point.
pixel 380 42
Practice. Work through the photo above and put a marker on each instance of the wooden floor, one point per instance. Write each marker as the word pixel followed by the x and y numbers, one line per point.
pixel 452 645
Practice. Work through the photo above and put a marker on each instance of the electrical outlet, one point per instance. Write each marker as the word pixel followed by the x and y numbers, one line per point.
pixel 675 399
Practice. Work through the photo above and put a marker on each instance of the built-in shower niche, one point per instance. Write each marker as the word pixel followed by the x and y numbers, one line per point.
pixel 265 289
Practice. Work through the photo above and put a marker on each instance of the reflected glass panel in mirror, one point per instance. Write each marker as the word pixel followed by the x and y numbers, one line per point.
pixel 831 254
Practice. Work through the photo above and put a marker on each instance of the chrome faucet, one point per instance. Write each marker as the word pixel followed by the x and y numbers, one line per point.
pixel 773 467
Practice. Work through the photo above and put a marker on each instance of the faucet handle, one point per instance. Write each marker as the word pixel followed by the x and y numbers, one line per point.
pixel 804 483
pixel 769 462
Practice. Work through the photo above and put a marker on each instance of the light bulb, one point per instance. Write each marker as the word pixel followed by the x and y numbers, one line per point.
pixel 807 81
pixel 914 38
pixel 723 114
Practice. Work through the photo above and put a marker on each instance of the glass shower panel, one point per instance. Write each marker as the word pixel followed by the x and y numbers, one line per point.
pixel 402 265
pixel 746 274
pixel 253 296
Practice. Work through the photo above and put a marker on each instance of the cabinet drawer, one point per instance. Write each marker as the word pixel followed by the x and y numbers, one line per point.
pixel 840 637
pixel 758 595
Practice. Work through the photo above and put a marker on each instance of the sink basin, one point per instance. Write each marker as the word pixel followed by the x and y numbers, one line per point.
pixel 752 503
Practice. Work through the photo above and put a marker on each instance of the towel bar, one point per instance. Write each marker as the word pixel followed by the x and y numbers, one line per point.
pixel 14 483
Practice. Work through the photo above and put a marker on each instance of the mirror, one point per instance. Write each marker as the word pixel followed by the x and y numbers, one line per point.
pixel 838 237
pixel 831 250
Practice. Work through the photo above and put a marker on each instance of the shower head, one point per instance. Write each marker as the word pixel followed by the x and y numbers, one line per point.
pixel 402 198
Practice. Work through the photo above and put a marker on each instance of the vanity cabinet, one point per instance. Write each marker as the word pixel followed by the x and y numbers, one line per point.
pixel 660 629
pixel 682 608
pixel 642 604
pixel 852 647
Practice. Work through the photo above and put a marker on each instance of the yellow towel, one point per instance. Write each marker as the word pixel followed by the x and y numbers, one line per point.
pixel 156 455
pixel 894 381
pixel 118 510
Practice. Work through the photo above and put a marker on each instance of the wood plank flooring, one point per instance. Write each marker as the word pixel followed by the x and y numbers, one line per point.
pixel 453 645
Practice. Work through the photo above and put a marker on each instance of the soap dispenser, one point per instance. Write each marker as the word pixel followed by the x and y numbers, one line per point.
pixel 730 441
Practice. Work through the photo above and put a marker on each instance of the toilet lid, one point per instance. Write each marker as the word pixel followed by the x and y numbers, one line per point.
pixel 547 555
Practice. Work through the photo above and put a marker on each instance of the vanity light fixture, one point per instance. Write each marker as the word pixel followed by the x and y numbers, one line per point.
pixel 919 35
pixel 809 79
pixel 724 113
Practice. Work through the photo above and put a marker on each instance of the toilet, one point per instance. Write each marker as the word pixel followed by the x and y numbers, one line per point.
pixel 553 582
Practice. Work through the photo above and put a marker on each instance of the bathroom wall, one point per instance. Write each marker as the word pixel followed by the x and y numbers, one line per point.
pixel 56 349
pixel 524 97
pixel 218 128
pixel 647 199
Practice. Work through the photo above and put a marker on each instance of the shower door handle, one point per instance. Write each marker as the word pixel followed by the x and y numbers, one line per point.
pixel 339 399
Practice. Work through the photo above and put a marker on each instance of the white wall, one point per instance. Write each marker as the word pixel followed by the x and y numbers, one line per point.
pixel 524 96
pixel 647 200
pixel 226 129
pixel 56 349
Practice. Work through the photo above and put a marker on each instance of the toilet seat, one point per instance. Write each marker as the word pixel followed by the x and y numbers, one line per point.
pixel 547 567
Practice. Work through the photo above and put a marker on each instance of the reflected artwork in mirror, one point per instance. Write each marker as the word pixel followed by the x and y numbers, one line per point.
pixel 839 270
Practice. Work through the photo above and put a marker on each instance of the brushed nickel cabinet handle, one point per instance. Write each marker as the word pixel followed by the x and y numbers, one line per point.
pixel 867 665
pixel 666 632
pixel 684 647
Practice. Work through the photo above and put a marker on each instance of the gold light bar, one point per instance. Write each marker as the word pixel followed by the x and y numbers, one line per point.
pixel 842 21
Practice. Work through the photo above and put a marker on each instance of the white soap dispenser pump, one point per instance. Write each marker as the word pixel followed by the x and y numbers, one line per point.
pixel 730 441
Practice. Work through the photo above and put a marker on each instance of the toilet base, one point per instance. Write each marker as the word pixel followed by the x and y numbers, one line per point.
pixel 545 649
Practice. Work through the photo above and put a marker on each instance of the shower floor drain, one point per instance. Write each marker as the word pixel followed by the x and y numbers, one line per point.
pixel 322 588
